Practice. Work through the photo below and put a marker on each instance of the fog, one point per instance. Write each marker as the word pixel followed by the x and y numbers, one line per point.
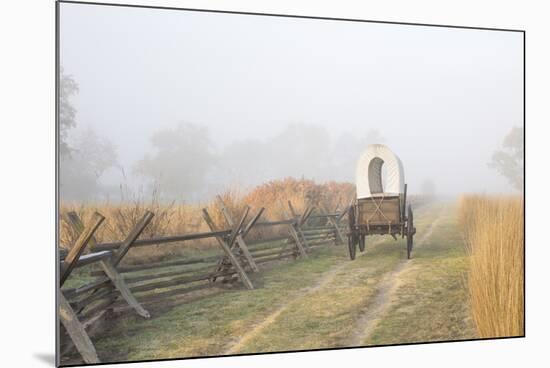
pixel 203 102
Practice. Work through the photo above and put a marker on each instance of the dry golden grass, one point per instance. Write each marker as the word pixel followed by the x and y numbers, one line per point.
pixel 302 193
pixel 493 232
pixel 183 218
pixel 120 218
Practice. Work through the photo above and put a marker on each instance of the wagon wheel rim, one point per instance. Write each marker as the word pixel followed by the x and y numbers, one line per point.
pixel 351 218
pixel 410 232
pixel 352 237
pixel 351 246
pixel 362 243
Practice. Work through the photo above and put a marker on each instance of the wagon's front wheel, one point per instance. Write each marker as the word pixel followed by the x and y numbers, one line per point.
pixel 410 232
pixel 352 245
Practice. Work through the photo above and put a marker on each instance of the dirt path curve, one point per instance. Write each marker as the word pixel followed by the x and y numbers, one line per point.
pixel 302 293
pixel 375 310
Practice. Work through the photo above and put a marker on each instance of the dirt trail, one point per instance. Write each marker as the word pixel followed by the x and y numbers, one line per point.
pixel 372 314
pixel 375 310
pixel 302 293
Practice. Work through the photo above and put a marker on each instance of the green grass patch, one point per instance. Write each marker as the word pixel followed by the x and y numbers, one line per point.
pixel 208 326
pixel 431 303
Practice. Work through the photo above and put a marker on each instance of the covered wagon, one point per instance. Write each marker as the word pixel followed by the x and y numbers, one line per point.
pixel 381 204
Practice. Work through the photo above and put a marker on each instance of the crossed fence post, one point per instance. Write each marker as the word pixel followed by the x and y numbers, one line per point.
pixel 84 238
pixel 339 238
pixel 67 316
pixel 108 262
pixel 227 244
pixel 239 238
pixel 294 229
pixel 301 221
pixel 109 266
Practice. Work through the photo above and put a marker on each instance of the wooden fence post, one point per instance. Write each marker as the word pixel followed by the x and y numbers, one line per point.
pixel 292 229
pixel 339 238
pixel 227 248
pixel 302 221
pixel 224 263
pixel 109 268
pixel 76 331
pixel 240 241
pixel 252 222
pixel 131 238
pixel 85 237
pixel 292 211
pixel 297 240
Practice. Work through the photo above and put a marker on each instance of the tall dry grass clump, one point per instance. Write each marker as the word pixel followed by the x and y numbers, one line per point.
pixel 494 234
pixel 274 196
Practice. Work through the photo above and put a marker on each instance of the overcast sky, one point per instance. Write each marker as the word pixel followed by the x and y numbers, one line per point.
pixel 442 98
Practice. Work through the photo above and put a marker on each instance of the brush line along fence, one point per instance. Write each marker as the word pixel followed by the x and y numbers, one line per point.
pixel 130 288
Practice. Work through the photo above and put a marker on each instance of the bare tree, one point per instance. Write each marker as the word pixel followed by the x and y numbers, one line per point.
pixel 508 160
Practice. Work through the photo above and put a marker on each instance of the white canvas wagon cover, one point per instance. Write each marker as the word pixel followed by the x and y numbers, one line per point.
pixel 369 172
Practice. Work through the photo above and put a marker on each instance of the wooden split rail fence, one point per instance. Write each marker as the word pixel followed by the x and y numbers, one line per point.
pixel 133 287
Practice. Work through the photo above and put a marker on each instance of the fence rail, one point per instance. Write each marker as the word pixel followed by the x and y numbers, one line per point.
pixel 131 287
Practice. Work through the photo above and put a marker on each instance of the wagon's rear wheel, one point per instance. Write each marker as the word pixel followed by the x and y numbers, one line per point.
pixel 352 245
pixel 362 243
pixel 353 234
pixel 410 232
pixel 351 218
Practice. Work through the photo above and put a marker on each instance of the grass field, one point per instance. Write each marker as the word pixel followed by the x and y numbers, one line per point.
pixel 321 302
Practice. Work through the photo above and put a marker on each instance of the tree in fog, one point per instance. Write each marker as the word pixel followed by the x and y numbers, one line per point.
pixel 347 149
pixel 67 113
pixel 81 169
pixel 508 160
pixel 243 162
pixel 428 188
pixel 181 160
pixel 84 160
pixel 300 150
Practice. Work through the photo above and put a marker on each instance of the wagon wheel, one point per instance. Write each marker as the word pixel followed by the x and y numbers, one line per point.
pixel 410 232
pixel 352 236
pixel 351 218
pixel 352 245
pixel 362 243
